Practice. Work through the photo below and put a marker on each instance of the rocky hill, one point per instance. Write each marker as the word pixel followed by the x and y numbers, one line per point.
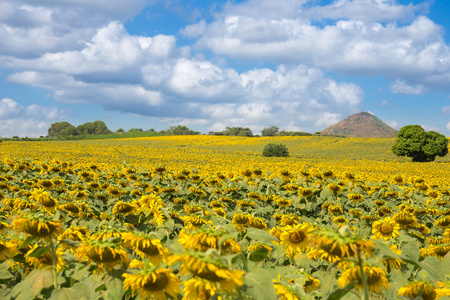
pixel 362 124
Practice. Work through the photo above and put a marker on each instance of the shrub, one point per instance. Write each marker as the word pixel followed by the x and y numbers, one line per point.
pixel 275 150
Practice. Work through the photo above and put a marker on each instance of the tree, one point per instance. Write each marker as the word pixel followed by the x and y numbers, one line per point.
pixel 413 141
pixel 269 131
pixel 180 130
pixel 61 129
pixel 96 127
pixel 238 131
pixel 275 150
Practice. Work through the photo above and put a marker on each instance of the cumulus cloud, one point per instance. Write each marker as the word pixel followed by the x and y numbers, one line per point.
pixel 151 76
pixel 358 37
pixel 32 121
pixel 448 126
pixel 35 27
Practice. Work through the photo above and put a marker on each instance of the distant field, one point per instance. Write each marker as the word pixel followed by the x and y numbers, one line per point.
pixel 369 158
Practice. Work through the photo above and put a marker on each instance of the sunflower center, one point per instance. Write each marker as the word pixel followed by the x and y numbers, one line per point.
pixel 2 247
pixel 386 228
pixel 442 251
pixel 34 229
pixel 297 237
pixel 151 250
pixel 156 283
pixel 373 278
pixel 104 255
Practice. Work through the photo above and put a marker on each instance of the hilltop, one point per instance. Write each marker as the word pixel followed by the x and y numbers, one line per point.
pixel 362 124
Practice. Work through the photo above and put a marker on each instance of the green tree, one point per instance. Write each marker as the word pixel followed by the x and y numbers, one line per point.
pixel 61 129
pixel 238 131
pixel 180 130
pixel 275 150
pixel 270 131
pixel 120 130
pixel 96 127
pixel 413 141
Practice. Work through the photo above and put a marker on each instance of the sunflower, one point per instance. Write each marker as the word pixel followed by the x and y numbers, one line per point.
pixel 422 290
pixel 124 208
pixel 385 229
pixel 146 247
pixel 194 222
pixel 375 276
pixel 107 232
pixel 208 238
pixel 106 253
pixel 4 226
pixel 240 221
pixel 391 263
pixel 355 198
pixel 38 226
pixel 355 212
pixel 296 238
pixel 311 284
pixel 443 223
pixel 152 283
pixel 114 191
pixel 44 198
pixel 79 194
pixel 258 246
pixel 199 289
pixel 438 251
pixel 284 292
pixel 45 260
pixel 7 249
pixel 405 219
pixel 45 184
pixel 150 203
pixel 246 204
pixel 338 246
pixel 336 189
pixel 77 234
pixel 71 207
pixel 211 269
pixel 335 210
pixel 283 202
pixel 303 192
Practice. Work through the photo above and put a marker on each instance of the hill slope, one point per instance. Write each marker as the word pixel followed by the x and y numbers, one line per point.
pixel 362 124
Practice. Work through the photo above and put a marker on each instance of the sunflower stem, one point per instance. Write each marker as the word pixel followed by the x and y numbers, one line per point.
pixel 363 277
pixel 54 262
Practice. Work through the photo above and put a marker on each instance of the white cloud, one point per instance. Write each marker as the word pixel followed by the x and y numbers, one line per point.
pixel 400 87
pixel 31 121
pixel 394 124
pixel 446 109
pixel 448 126
pixel 358 37
pixel 430 128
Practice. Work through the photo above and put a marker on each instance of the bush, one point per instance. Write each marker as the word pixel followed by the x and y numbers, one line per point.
pixel 413 141
pixel 275 150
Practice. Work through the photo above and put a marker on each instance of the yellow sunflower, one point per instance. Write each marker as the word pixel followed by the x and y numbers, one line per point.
pixel 296 238
pixel 208 238
pixel 124 208
pixel 391 263
pixel 146 247
pixel 422 290
pixel 7 250
pixel 438 251
pixel 77 234
pixel 199 289
pixel 375 276
pixel 45 260
pixel 284 292
pixel 152 283
pixel 38 226
pixel 211 269
pixel 385 229
pixel 105 253
pixel 44 198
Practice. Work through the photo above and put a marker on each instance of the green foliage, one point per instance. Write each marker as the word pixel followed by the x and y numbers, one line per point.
pixel 61 129
pixel 180 130
pixel 238 131
pixel 269 131
pixel 275 150
pixel 422 146
pixel 96 127
pixel 292 133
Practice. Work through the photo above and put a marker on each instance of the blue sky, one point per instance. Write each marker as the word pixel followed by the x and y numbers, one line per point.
pixel 297 64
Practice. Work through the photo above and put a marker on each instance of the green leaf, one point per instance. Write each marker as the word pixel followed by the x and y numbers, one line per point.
pixel 258 255
pixel 259 283
pixel 27 242
pixel 114 289
pixel 33 284
pixel 434 267
pixel 5 274
pixel 79 291
pixel 260 235
pixel 38 252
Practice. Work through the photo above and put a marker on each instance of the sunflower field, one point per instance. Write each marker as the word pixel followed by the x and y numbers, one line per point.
pixel 208 217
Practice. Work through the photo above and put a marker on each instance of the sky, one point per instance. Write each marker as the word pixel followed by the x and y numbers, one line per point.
pixel 301 65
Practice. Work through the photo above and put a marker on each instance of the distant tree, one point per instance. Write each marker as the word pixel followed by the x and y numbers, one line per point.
pixel 269 131
pixel 61 129
pixel 292 133
pixel 180 130
pixel 136 130
pixel 151 130
pixel 238 131
pixel 120 130
pixel 96 127
pixel 413 141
